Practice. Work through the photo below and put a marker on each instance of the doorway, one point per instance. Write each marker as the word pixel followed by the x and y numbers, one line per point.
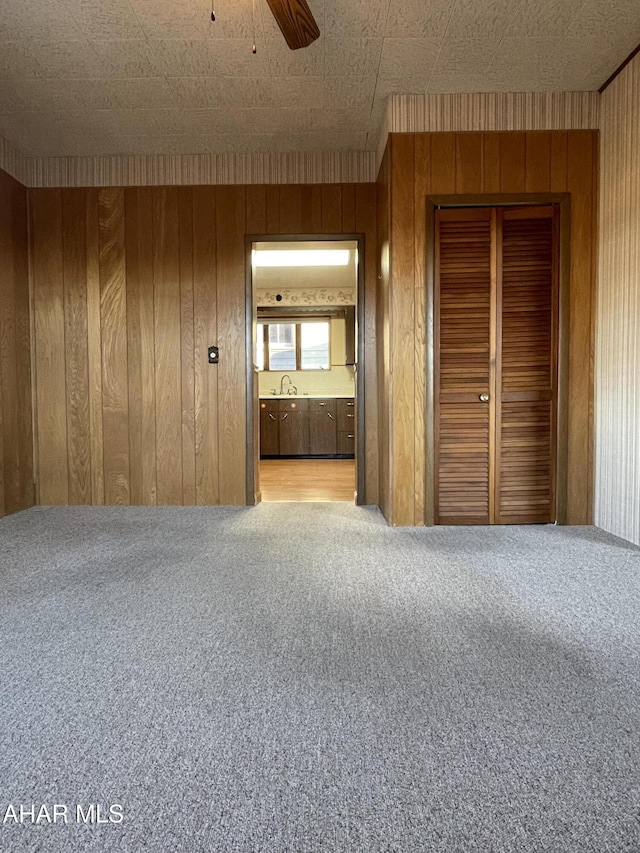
pixel 496 313
pixel 304 402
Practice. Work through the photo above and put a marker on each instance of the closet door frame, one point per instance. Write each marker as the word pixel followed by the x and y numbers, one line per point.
pixel 563 200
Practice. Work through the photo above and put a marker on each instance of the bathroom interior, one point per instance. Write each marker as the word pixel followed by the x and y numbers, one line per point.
pixel 305 355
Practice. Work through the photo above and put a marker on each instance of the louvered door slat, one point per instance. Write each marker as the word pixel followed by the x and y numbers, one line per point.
pixel 463 268
pixel 525 447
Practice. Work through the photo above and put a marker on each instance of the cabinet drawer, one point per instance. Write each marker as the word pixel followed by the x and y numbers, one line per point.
pixel 346 442
pixel 295 404
pixel 325 407
pixel 346 415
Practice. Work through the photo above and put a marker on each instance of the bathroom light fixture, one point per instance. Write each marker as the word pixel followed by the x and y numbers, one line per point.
pixel 300 257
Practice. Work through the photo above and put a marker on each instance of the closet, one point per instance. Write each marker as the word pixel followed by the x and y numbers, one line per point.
pixel 496 342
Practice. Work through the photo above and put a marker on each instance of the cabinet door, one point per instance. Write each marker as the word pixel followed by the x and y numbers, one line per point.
pixel 269 443
pixel 346 443
pixel 294 428
pixel 322 428
pixel 526 394
pixel 465 269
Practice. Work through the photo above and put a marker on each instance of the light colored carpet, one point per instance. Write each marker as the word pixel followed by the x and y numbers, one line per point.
pixel 301 677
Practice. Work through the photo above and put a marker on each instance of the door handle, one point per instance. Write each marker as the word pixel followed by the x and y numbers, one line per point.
pixel 484 398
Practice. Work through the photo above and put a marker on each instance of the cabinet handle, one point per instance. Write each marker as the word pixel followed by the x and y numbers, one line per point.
pixel 322 404
pixel 286 415
pixel 273 417
pixel 349 414
pixel 330 415
pixel 350 435
pixel 350 403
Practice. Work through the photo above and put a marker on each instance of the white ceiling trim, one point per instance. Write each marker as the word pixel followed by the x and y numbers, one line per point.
pixel 246 168
pixel 494 111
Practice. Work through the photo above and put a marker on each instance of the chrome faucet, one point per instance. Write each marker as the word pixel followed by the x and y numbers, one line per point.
pixel 291 389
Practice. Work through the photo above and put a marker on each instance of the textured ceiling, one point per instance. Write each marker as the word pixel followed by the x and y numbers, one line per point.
pixel 91 77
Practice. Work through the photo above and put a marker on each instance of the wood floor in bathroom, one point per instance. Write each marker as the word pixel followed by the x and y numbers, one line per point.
pixel 307 479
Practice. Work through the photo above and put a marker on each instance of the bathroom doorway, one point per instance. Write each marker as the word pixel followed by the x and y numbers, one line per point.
pixel 304 403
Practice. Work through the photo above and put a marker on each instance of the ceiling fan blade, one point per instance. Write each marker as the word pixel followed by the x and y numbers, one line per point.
pixel 296 22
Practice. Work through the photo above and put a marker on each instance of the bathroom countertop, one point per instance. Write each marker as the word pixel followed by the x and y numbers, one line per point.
pixel 306 396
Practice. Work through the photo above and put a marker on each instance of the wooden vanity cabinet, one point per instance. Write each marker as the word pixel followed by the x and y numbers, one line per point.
pixel 322 427
pixel 300 426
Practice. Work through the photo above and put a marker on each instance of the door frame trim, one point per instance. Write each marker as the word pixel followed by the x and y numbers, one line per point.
pixel 252 497
pixel 563 200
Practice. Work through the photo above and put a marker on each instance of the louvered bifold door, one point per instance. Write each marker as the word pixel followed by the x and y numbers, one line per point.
pixel 527 242
pixel 463 308
pixel 495 310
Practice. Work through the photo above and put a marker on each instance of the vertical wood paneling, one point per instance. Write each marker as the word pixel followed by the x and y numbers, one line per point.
pixel 348 208
pixel 491 162
pixel 365 223
pixel 141 343
pixel 469 162
pixel 9 442
pixel 113 314
pixel 185 239
pixel 94 345
pixel 558 166
pixel 383 211
pixel 443 163
pixel 311 216
pixel 422 183
pixel 51 395
pixel 514 163
pixel 205 335
pixel 74 267
pixel 256 210
pixel 331 221
pixel 538 161
pixel 166 278
pixel 230 204
pixel 273 210
pixel 143 281
pixel 402 315
pixel 22 319
pixel 16 448
pixel 617 476
pixel 134 342
pixel 147 347
pixel 290 209
pixel 580 153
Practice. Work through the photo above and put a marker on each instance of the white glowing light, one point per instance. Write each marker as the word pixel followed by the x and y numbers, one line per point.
pixel 300 257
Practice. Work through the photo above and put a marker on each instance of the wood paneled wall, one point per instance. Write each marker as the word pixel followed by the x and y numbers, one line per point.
pixel 617 505
pixel 423 164
pixel 383 353
pixel 16 442
pixel 130 287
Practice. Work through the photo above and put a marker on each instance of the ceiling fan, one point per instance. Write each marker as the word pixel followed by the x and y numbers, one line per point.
pixel 296 21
